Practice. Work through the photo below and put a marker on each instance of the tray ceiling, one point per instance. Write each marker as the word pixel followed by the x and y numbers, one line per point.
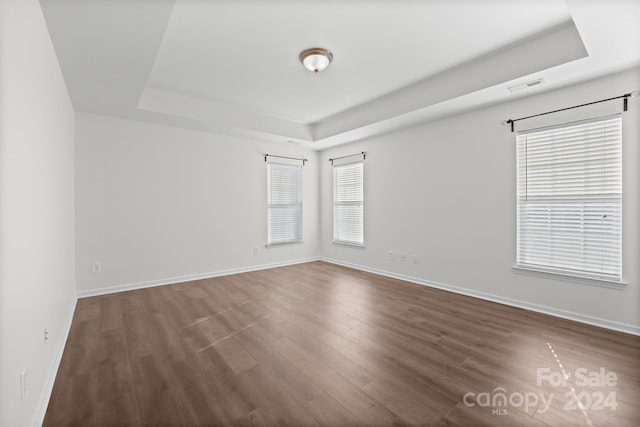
pixel 232 67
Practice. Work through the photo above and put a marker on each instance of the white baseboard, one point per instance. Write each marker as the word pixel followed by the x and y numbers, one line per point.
pixel 583 318
pixel 38 417
pixel 188 278
pixel 41 410
pixel 578 317
pixel 45 395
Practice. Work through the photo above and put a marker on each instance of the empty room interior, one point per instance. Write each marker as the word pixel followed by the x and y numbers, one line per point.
pixel 319 213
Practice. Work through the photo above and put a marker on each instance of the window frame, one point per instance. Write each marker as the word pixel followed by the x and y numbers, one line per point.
pixel 608 200
pixel 272 206
pixel 337 204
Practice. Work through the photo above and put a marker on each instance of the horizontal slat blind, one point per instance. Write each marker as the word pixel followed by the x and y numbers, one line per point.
pixel 348 203
pixel 570 198
pixel 284 204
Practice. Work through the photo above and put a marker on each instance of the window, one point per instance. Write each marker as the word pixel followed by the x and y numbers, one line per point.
pixel 570 199
pixel 284 204
pixel 348 203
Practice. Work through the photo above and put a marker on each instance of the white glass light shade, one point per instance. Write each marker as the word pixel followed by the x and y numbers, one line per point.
pixel 316 59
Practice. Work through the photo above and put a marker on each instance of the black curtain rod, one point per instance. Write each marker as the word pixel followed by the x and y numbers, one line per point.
pixel 624 107
pixel 362 153
pixel 303 160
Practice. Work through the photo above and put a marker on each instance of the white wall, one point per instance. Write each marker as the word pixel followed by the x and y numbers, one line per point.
pixel 159 204
pixel 445 191
pixel 37 285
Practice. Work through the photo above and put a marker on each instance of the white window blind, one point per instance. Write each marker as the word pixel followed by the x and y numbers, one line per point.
pixel 284 204
pixel 570 199
pixel 348 203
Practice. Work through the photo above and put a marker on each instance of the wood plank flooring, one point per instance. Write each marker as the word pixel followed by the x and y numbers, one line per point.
pixel 322 345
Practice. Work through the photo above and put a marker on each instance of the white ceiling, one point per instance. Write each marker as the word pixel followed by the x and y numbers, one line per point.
pixel 232 67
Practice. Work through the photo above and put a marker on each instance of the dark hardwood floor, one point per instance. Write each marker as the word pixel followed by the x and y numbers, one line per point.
pixel 320 344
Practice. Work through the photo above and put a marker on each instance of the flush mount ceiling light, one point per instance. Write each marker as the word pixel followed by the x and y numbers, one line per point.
pixel 316 59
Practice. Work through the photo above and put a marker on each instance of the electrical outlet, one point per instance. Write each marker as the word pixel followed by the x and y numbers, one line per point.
pixel 96 267
pixel 256 250
pixel 403 257
pixel 23 385
pixel 390 255
pixel 45 335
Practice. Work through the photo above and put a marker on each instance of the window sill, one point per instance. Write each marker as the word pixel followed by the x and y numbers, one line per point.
pixel 603 283
pixel 277 245
pixel 355 245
